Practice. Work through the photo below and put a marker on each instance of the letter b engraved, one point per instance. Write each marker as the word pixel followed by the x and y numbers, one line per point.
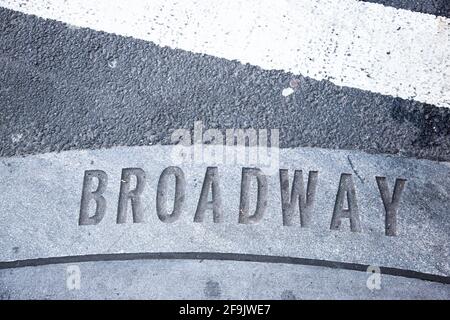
pixel 88 195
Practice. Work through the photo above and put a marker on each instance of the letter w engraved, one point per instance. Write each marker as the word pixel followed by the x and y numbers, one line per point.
pixel 298 197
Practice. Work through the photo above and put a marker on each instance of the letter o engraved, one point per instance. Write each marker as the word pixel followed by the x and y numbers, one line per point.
pixel 97 195
pixel 161 194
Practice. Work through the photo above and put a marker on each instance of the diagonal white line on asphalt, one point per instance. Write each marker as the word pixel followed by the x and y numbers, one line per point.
pixel 351 43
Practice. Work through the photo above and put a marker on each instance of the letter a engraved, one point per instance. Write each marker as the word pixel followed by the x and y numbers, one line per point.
pixel 346 190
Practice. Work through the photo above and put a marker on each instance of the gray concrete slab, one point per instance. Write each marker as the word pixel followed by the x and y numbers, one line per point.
pixel 41 200
pixel 181 279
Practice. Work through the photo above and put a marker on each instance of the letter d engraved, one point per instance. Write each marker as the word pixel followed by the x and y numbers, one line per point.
pixel 261 200
pixel 97 195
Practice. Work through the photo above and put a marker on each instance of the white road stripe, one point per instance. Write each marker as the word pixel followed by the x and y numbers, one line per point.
pixel 351 43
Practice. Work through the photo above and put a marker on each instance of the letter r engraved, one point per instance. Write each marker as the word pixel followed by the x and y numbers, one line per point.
pixel 134 195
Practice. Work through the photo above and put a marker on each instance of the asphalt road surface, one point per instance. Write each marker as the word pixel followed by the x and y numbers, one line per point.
pixel 247 149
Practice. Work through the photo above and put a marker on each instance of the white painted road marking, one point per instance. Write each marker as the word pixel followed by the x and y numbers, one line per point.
pixel 356 44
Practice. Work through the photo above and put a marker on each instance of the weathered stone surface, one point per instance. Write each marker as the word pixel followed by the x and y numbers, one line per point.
pixel 40 206
pixel 152 279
